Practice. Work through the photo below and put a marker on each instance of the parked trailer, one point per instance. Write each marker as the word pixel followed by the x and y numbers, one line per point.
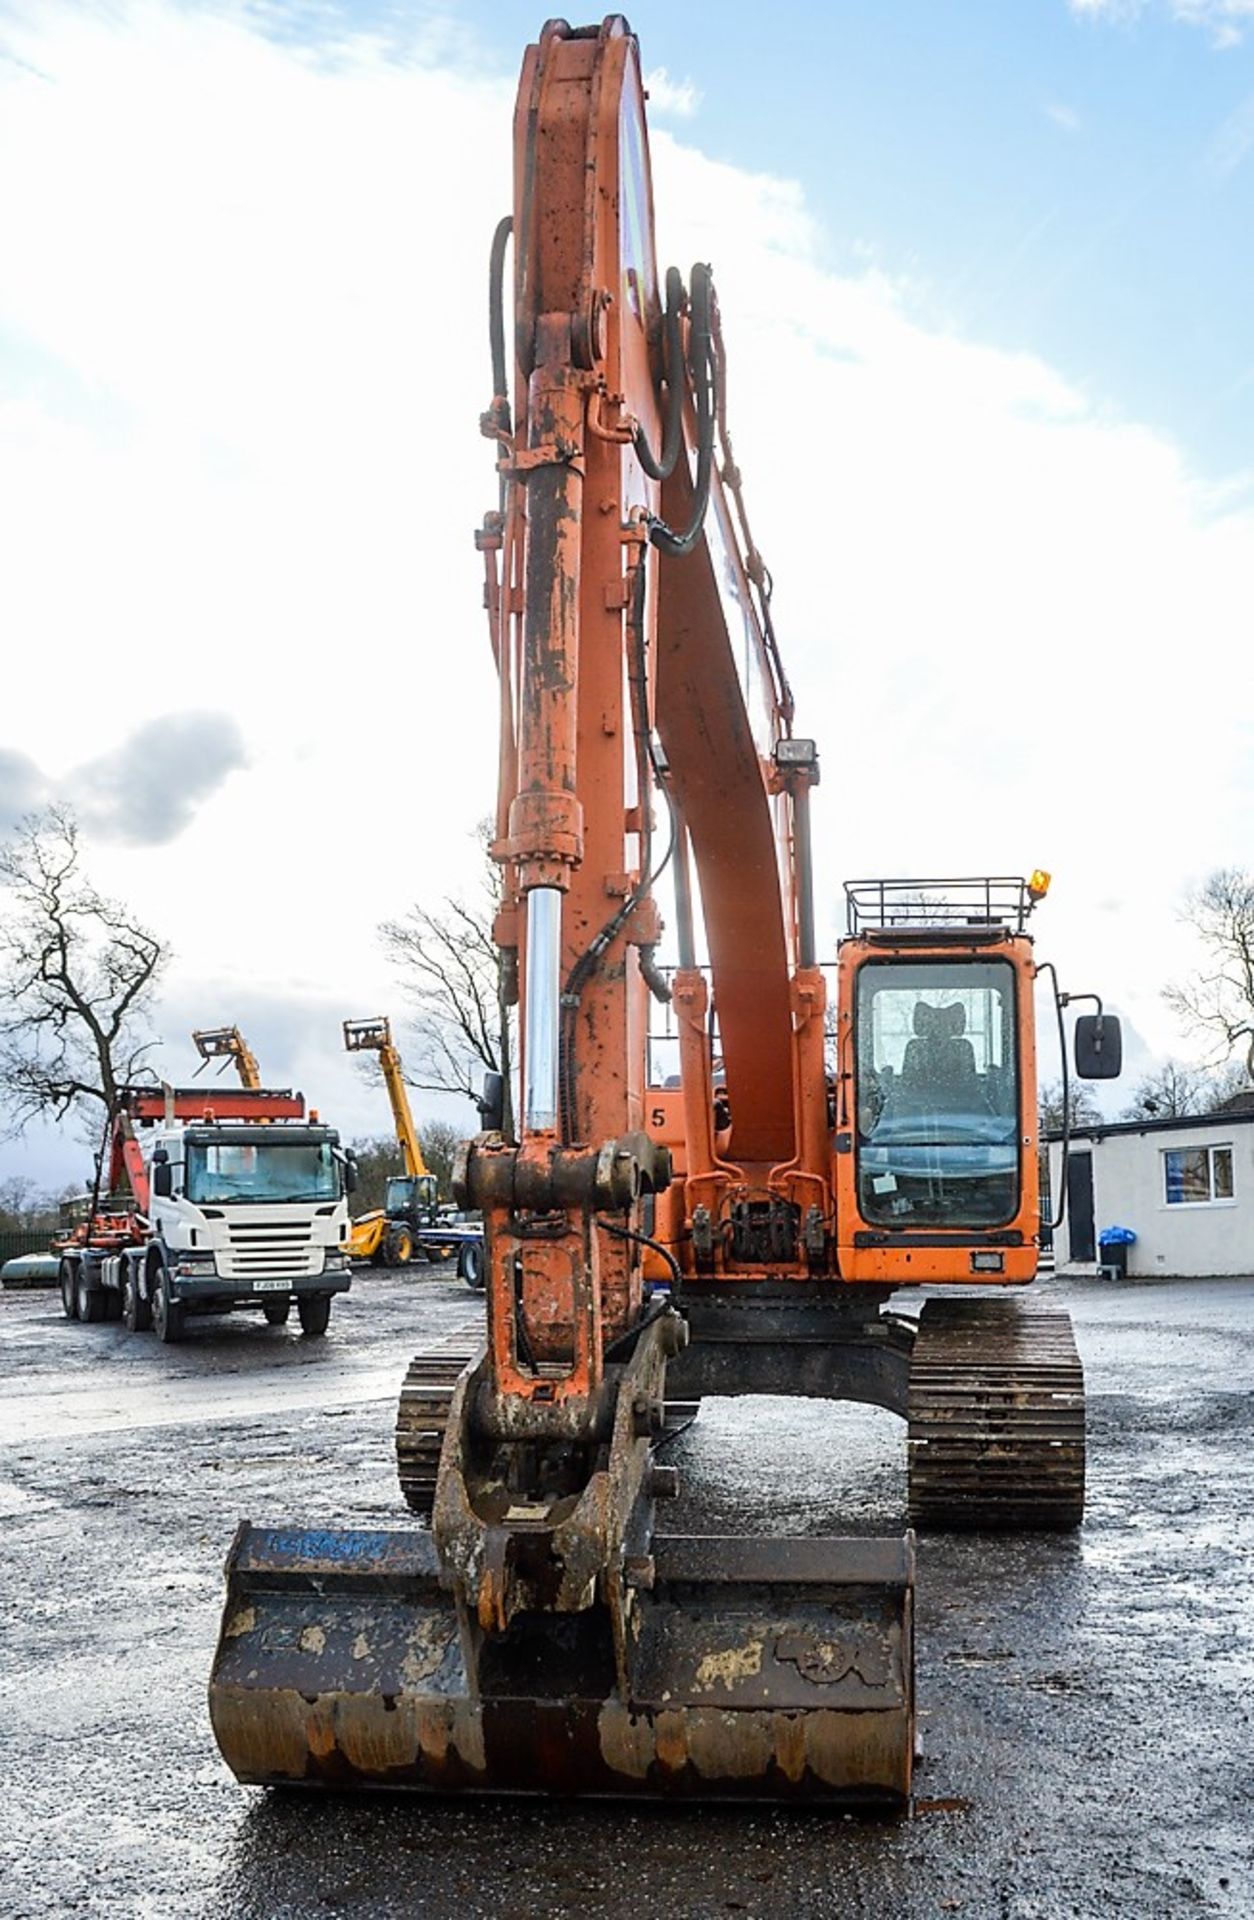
pixel 29 1270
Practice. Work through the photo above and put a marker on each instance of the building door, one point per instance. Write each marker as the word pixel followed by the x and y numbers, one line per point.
pixel 1080 1234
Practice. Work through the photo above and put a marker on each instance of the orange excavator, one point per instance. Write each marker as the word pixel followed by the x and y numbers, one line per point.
pixel 737 1227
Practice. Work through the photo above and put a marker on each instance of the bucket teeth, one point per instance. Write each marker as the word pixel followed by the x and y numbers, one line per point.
pixel 996 1419
pixel 777 1669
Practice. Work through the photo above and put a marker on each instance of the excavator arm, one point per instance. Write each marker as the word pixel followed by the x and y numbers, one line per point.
pixel 631 627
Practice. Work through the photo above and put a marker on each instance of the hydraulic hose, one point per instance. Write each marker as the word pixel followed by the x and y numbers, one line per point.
pixel 499 415
pixel 703 371
pixel 588 961
pixel 661 468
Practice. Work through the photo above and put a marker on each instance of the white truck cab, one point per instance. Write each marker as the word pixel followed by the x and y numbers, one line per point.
pixel 246 1207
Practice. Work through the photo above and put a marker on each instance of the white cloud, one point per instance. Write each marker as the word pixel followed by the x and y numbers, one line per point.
pixel 1225 21
pixel 1232 140
pixel 678 98
pixel 1063 116
pixel 142 791
pixel 242 358
pixel 145 791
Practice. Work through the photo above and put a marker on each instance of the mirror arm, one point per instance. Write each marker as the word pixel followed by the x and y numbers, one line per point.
pixel 1062 1000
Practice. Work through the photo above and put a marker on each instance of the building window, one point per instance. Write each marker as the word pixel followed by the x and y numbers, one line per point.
pixel 1193 1175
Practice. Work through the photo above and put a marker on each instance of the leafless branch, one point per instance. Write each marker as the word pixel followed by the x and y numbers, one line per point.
pixel 77 976
pixel 449 964
pixel 1217 1001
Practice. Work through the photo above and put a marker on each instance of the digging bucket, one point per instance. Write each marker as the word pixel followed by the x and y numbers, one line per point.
pixel 761 1669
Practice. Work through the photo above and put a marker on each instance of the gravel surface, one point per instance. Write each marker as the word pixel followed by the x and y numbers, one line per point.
pixel 1086 1704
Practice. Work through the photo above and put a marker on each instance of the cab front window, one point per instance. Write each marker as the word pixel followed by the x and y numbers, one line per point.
pixel 937 1082
pixel 233 1173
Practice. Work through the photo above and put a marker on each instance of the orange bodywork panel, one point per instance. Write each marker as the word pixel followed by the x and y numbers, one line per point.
pixel 874 1247
pixel 717 778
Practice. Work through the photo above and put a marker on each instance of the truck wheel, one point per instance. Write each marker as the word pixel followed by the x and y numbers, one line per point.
pixel 399 1247
pixel 136 1312
pixel 168 1318
pixel 315 1311
pixel 69 1290
pixel 470 1264
pixel 276 1312
pixel 112 1303
pixel 90 1301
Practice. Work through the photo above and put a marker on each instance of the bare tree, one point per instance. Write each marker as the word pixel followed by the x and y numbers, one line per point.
pixel 77 975
pixel 1224 1085
pixel 1218 1000
pixel 16 1195
pixel 1169 1094
pixel 1081 1107
pixel 21 1206
pixel 440 1141
pixel 451 969
pixel 378 1161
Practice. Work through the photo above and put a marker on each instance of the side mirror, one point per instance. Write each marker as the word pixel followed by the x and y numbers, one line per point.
pixel 350 1173
pixel 491 1102
pixel 162 1178
pixel 1098 1046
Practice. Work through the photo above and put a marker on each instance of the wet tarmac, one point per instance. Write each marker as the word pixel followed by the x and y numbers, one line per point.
pixel 1088 1703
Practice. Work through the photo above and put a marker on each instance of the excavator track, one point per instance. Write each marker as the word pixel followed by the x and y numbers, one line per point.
pixel 996 1419
pixel 422 1416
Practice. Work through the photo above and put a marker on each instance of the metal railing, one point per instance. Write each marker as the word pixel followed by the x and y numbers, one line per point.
pixel 990 900
pixel 15 1241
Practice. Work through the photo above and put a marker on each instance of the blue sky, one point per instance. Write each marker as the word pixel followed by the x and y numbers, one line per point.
pixel 1079 184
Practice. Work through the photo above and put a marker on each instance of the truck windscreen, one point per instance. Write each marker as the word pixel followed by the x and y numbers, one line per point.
pixel 937 1094
pixel 269 1172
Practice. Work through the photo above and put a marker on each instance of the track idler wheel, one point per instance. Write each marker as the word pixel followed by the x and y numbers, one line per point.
pixel 421 1420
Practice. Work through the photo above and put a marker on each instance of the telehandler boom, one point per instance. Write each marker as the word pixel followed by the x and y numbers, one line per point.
pixel 389 1235
pixel 409 1225
pixel 228 1043
pixel 737 1232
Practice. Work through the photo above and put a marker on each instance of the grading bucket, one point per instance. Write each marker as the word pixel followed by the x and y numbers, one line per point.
pixel 761 1669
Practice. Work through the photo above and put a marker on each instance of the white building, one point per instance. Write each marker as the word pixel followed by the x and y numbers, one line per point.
pixel 1185 1187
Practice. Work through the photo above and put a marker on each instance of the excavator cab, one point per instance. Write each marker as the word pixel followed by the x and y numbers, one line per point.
pixel 937 1159
pixel 936 1162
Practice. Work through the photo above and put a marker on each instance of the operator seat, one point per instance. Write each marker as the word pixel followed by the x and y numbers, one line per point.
pixel 939 1059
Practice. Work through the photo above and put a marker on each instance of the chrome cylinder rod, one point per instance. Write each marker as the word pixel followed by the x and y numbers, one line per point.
pixel 540 1031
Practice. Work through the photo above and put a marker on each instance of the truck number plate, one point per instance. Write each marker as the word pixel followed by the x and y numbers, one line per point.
pixel 272 1286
